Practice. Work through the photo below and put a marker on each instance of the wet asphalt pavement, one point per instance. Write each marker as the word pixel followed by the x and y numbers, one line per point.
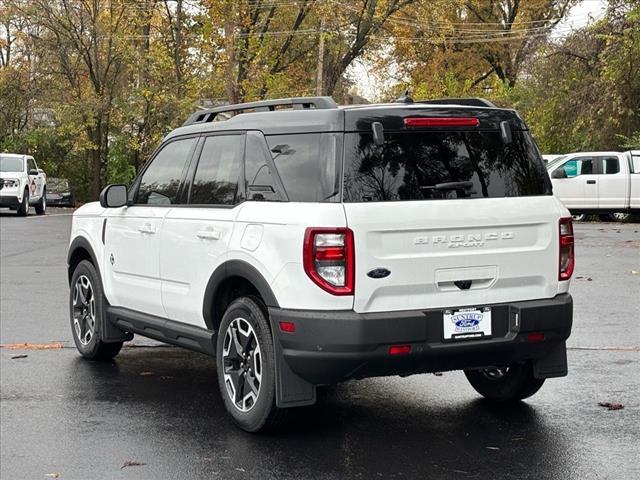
pixel 160 405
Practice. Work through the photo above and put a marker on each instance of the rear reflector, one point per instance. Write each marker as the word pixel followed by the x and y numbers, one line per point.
pixel 441 122
pixel 535 337
pixel 399 349
pixel 566 261
pixel 288 327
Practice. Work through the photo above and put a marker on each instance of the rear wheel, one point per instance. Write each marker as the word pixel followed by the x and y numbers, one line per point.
pixel 245 360
pixel 505 384
pixel 86 308
pixel 41 206
pixel 23 208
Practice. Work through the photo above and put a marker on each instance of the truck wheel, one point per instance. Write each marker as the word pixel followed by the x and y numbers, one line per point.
pixel 41 206
pixel 86 308
pixel 505 384
pixel 23 208
pixel 245 361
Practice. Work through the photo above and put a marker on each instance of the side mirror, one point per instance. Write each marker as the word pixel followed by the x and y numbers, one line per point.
pixel 559 173
pixel 113 196
pixel 34 171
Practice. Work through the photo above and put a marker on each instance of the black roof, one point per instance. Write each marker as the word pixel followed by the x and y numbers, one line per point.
pixel 321 114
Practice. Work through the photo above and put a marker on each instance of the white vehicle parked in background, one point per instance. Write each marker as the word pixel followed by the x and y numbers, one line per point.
pixel 602 183
pixel 22 184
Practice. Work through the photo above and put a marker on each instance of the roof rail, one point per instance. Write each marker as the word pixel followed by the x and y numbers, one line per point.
pixel 469 102
pixel 298 103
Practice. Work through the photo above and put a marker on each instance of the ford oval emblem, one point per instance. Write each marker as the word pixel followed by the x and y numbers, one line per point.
pixel 378 273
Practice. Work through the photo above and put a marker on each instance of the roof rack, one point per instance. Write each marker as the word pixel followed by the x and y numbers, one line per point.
pixel 469 102
pixel 298 103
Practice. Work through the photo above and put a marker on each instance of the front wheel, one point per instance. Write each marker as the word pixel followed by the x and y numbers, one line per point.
pixel 41 206
pixel 245 361
pixel 86 308
pixel 505 384
pixel 23 208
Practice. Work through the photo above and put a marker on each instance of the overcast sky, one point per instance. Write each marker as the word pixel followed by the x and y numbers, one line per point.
pixel 587 11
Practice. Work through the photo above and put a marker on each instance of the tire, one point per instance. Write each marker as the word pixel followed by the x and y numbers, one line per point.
pixel 248 364
pixel 86 316
pixel 505 385
pixel 23 208
pixel 622 217
pixel 41 206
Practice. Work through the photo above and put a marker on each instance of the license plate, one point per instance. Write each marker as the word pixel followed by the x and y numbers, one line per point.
pixel 467 323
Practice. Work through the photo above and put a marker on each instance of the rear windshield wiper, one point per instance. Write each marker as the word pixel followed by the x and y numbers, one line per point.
pixel 448 186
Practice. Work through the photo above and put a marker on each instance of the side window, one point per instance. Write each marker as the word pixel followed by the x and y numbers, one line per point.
pixel 260 184
pixel 610 165
pixel 578 166
pixel 635 160
pixel 160 181
pixel 218 171
pixel 31 164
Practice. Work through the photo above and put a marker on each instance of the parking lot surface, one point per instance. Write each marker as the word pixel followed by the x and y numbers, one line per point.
pixel 155 412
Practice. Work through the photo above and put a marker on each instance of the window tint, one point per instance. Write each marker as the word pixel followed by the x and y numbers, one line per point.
pixel 578 166
pixel 216 180
pixel 307 165
pixel 610 165
pixel 31 164
pixel 636 163
pixel 260 184
pixel 160 181
pixel 416 165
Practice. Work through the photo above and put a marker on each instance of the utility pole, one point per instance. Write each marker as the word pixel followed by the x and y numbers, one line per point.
pixel 320 67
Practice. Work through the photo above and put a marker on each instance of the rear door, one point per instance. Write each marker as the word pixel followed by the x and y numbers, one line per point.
pixel 195 238
pixel 491 240
pixel 613 183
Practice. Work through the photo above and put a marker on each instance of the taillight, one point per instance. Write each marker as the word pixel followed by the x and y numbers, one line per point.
pixel 329 259
pixel 567 255
pixel 441 122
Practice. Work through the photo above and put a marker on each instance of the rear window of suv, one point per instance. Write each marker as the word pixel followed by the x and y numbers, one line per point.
pixel 415 165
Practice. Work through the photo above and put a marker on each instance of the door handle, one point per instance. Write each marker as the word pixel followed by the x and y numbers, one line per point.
pixel 591 182
pixel 209 234
pixel 147 228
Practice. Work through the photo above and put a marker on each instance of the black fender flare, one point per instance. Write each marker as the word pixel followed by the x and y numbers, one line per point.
pixel 234 268
pixel 83 243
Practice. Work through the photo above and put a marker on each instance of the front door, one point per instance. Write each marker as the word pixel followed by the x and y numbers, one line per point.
pixel 577 187
pixel 36 182
pixel 132 233
pixel 195 239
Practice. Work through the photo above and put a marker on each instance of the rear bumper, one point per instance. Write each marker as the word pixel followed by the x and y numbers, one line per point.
pixel 332 346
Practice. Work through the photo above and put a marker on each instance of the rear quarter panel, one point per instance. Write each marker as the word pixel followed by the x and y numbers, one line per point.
pixel 269 236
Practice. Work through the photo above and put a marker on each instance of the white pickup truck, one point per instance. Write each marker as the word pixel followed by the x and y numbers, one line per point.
pixel 22 184
pixel 602 183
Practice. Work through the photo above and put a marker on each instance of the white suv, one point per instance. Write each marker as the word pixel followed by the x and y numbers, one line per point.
pixel 304 244
pixel 22 184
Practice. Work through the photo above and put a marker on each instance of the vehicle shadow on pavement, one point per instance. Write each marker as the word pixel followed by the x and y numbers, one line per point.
pixel 358 429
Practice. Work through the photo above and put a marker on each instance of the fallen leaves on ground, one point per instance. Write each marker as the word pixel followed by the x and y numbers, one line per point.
pixel 635 272
pixel 132 463
pixel 611 405
pixel 52 475
pixel 32 346
pixel 18 356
